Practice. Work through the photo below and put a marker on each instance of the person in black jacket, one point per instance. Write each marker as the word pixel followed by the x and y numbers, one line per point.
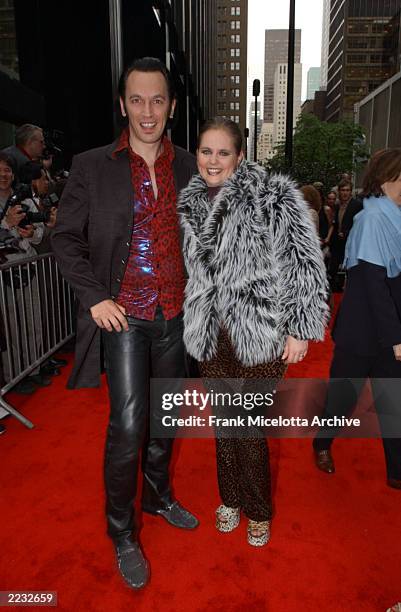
pixel 344 215
pixel 117 241
pixel 367 331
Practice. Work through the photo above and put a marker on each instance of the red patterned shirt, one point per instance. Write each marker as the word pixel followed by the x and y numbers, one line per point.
pixel 154 273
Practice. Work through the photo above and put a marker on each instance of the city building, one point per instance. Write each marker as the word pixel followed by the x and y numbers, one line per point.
pixel 231 60
pixel 276 52
pixel 317 106
pixel 265 143
pixel 280 100
pixel 364 51
pixel 324 58
pixel 251 125
pixel 379 115
pixel 313 82
pixel 51 77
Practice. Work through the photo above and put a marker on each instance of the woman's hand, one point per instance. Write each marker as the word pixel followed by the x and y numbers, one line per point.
pixel 397 351
pixel 294 350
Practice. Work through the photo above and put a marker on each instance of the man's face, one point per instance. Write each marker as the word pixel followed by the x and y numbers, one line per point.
pixel 344 194
pixel 147 106
pixel 6 176
pixel 36 144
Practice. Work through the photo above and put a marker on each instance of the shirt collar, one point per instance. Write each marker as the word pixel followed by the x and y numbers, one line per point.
pixel 24 152
pixel 167 153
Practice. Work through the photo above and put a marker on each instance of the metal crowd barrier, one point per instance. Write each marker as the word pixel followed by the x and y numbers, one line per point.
pixel 37 312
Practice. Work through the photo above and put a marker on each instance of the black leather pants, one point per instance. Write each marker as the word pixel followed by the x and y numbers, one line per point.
pixel 148 348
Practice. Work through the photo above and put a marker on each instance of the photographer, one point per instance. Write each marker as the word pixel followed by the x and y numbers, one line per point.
pixel 29 145
pixel 29 234
pixel 34 175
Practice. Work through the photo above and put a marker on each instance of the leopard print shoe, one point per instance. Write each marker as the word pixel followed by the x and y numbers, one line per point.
pixel 227 518
pixel 258 532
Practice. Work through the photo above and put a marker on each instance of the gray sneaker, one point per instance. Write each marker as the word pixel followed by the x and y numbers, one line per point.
pixel 132 564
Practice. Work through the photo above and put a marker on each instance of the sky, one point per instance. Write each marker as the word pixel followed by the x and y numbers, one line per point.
pixel 274 14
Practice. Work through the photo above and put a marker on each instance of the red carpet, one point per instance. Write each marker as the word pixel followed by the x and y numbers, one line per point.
pixel 335 539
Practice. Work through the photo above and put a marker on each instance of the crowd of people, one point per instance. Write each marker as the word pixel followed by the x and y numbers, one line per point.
pixel 28 194
pixel 236 282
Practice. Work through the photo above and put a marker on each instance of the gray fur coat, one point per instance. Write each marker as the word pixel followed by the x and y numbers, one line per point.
pixel 254 264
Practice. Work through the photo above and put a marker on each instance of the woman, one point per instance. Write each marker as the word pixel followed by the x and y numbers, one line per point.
pixel 367 331
pixel 255 296
pixel 312 198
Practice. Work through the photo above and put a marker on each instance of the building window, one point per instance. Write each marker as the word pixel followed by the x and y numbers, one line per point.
pixel 221 106
pixel 232 66
pixel 233 10
pixel 234 80
pixel 235 93
pixel 236 118
pixel 221 66
pixel 237 11
pixel 232 52
pixel 237 52
pixel 221 81
pixel 221 93
pixel 221 53
pixel 237 25
pixel 237 66
pixel 222 39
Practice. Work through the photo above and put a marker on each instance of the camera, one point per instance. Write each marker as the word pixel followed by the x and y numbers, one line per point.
pixel 22 192
pixel 50 201
pixel 8 244
pixel 53 142
pixel 33 217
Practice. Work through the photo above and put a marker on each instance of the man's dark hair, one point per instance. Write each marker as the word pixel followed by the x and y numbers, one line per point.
pixel 345 183
pixel 146 64
pixel 6 159
pixel 30 171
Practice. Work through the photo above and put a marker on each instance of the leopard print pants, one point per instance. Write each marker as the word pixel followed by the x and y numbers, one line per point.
pixel 243 466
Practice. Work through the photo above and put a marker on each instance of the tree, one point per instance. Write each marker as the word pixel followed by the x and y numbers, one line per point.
pixel 322 151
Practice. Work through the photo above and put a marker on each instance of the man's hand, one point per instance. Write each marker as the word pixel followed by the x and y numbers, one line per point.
pixel 109 315
pixel 26 232
pixel 14 215
pixel 294 350
pixel 397 351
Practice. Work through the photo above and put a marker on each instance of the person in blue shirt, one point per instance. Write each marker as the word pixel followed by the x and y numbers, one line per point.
pixel 367 330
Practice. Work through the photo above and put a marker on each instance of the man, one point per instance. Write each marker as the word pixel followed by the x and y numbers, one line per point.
pixel 29 146
pixel 117 242
pixel 338 234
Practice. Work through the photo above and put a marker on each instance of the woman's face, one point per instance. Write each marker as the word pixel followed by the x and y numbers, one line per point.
pixel 217 158
pixel 392 189
pixel 331 199
pixel 6 177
